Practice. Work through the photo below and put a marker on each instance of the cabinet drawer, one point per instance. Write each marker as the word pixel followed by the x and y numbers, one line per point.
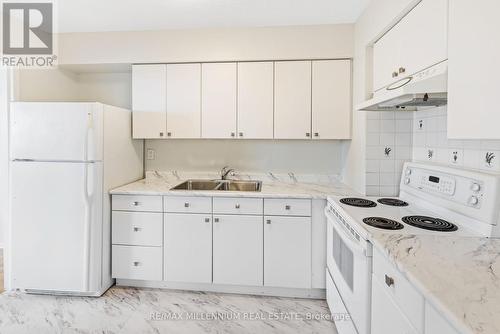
pixel 135 262
pixel 137 228
pixel 243 206
pixel 404 294
pixel 287 207
pixel 187 204
pixel 137 203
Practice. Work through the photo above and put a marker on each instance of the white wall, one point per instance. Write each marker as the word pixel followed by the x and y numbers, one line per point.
pixel 283 156
pixel 266 43
pixel 108 88
pixel 379 16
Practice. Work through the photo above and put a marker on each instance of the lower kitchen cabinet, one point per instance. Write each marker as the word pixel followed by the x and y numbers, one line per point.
pixel 188 247
pixel 137 262
pixel 287 252
pixel 238 250
pixel 435 323
pixel 386 315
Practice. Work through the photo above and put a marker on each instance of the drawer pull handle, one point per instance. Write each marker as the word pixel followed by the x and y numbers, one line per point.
pixel 136 229
pixel 135 204
pixel 216 220
pixel 207 220
pixel 268 221
pixel 186 205
pixel 136 263
pixel 287 207
pixel 389 280
pixel 237 206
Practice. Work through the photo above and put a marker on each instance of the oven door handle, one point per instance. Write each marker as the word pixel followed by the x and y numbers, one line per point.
pixel 346 238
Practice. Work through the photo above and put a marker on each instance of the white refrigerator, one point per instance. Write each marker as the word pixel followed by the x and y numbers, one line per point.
pixel 65 157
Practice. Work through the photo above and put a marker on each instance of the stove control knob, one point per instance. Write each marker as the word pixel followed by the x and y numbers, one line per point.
pixel 475 187
pixel 473 200
pixel 407 180
pixel 408 172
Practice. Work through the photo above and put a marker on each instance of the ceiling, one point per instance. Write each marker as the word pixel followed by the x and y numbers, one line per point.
pixel 136 15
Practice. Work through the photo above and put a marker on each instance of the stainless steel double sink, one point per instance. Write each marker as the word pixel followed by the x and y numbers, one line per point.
pixel 220 185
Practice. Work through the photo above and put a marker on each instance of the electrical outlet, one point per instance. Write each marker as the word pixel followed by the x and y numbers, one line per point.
pixel 151 154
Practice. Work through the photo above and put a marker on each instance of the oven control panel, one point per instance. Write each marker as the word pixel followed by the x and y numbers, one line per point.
pixel 456 188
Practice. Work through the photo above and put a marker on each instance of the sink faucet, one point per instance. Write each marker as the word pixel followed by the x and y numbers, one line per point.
pixel 225 171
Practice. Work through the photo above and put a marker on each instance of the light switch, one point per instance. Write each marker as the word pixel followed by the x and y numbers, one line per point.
pixel 151 154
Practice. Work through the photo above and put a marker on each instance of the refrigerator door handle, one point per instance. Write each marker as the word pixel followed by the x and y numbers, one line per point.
pixel 88 194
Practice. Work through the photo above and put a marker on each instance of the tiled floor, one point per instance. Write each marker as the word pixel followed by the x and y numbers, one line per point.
pixel 128 310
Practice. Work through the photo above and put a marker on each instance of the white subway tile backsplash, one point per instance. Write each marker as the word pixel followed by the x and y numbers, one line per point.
pixel 403 139
pixel 373 191
pixel 403 125
pixel 387 125
pixel 456 156
pixel 387 139
pixel 489 160
pixel 373 166
pixel 373 126
pixel 387 166
pixel 373 139
pixel 387 115
pixel 471 158
pixel 372 179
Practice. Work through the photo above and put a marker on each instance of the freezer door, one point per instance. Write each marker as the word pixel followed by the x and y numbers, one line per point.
pixel 56 226
pixel 56 131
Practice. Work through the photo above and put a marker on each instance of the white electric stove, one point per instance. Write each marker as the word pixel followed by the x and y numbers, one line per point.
pixel 433 199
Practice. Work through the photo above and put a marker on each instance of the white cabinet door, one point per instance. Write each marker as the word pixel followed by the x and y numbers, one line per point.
pixel 238 248
pixel 435 323
pixel 424 45
pixel 184 100
pixel 218 102
pixel 412 46
pixel 331 99
pixel 474 70
pixel 292 100
pixel 287 252
pixel 386 315
pixel 255 100
pixel 149 101
pixel 188 247
pixel 386 58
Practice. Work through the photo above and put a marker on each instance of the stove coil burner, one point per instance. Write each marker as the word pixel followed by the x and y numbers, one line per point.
pixel 430 223
pixel 383 223
pixel 392 202
pixel 359 202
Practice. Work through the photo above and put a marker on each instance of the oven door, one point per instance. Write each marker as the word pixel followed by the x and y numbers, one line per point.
pixel 349 263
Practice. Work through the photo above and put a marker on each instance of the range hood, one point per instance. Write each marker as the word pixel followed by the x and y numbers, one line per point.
pixel 423 90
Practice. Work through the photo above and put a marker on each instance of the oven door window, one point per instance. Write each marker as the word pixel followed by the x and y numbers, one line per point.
pixel 344 259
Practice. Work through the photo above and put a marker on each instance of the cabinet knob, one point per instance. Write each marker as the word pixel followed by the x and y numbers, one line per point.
pixel 207 220
pixel 308 134
pixel 389 281
pixel 136 263
pixel 216 220
pixel 136 229
pixel 232 134
pixel 241 134
pixel 287 207
pixel 237 206
pixel 161 134
pixel 268 221
pixel 402 70
pixel 186 205
pixel 135 204
pixel 394 74
pixel 316 134
pixel 169 134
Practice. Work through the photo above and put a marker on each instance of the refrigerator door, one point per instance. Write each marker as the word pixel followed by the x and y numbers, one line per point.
pixel 56 233
pixel 52 131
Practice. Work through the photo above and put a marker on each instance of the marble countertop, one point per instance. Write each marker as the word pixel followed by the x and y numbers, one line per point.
pixel 273 185
pixel 459 276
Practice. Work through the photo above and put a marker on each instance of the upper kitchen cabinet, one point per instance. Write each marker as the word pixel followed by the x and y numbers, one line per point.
pixel 292 100
pixel 331 99
pixel 184 100
pixel 474 69
pixel 417 42
pixel 218 102
pixel 255 100
pixel 149 101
